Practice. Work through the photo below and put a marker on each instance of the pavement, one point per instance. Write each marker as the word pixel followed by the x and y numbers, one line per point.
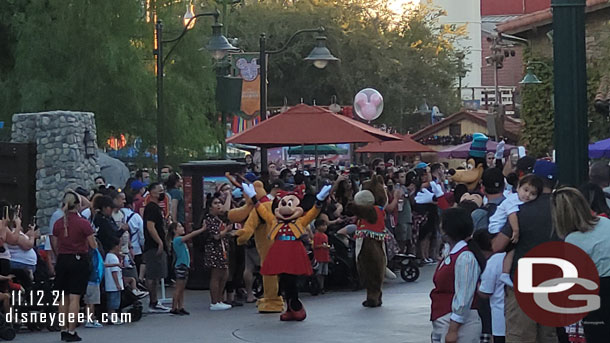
pixel 336 316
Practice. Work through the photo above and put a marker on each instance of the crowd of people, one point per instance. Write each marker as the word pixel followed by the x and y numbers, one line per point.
pixel 134 235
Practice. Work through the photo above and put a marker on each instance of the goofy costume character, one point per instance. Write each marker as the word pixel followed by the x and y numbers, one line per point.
pixel 287 256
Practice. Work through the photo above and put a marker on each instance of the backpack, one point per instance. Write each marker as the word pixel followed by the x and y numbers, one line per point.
pixel 97 267
pixel 490 208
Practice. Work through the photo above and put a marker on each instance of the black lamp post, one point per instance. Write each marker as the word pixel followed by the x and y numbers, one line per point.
pixel 218 45
pixel 320 56
pixel 570 80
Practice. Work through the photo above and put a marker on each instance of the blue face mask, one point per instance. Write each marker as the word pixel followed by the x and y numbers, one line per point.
pixel 290 180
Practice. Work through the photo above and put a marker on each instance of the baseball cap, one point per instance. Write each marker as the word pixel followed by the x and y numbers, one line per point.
pixel 421 165
pixel 81 191
pixel 545 169
pixel 137 185
pixel 526 164
pixel 493 179
pixel 251 177
pixel 277 184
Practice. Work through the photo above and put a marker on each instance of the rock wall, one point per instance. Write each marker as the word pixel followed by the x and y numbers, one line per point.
pixel 62 160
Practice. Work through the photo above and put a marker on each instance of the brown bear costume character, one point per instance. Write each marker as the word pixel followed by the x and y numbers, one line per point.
pixel 271 302
pixel 370 238
pixel 287 256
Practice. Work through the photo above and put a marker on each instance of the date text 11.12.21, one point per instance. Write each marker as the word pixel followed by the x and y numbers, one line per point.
pixel 38 298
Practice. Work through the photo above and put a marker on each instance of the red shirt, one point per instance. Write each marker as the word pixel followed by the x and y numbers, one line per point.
pixel 79 229
pixel 320 254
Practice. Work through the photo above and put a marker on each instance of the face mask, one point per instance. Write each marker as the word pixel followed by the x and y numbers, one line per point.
pixel 290 180
pixel 164 176
pixel 161 196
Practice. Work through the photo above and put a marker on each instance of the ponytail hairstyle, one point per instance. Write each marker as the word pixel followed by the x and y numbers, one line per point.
pixel 70 203
pixel 171 231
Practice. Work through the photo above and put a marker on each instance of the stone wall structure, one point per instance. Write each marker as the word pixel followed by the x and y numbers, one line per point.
pixel 66 154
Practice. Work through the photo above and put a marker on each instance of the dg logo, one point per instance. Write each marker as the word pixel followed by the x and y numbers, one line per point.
pixel 557 284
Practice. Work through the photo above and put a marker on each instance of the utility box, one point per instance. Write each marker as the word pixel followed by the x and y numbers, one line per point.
pixel 200 179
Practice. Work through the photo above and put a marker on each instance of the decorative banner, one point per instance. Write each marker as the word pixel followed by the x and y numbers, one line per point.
pixel 245 65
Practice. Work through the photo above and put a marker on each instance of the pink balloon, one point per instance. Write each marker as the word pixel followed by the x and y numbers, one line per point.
pixel 368 104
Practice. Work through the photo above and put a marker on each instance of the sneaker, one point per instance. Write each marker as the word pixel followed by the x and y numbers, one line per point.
pixel 429 260
pixel 142 286
pixel 94 324
pixel 139 294
pixel 72 337
pixel 64 335
pixel 175 312
pixel 158 308
pixel 118 322
pixel 184 312
pixel 220 307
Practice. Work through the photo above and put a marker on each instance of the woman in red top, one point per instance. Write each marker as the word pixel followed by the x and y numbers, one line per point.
pixel 72 238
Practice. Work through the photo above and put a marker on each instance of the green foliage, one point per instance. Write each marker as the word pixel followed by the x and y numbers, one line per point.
pixel 537 111
pixel 96 56
pixel 407 58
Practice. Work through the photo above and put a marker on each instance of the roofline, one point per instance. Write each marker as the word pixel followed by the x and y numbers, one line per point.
pixel 453 118
pixel 540 18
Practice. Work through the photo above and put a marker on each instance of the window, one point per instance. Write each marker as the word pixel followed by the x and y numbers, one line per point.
pixel 455 129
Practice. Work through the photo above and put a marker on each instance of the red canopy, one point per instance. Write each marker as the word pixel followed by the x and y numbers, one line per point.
pixel 304 124
pixel 405 145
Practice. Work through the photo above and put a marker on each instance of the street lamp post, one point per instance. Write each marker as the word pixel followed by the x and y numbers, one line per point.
pixel 218 46
pixel 320 56
pixel 570 75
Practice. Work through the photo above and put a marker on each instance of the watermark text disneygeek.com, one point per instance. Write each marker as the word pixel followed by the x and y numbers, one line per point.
pixel 61 319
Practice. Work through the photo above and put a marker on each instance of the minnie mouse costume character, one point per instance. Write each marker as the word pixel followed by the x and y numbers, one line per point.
pixel 287 256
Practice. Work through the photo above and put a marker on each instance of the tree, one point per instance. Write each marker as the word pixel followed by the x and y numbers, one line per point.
pixel 407 58
pixel 97 56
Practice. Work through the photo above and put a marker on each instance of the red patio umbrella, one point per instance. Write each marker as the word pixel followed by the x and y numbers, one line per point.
pixel 403 146
pixel 309 125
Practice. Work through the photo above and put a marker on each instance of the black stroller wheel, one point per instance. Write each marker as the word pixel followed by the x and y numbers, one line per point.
pixel 7 333
pixel 136 314
pixel 409 272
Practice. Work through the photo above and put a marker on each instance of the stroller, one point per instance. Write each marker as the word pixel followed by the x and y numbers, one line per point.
pixel 342 270
pixel 41 289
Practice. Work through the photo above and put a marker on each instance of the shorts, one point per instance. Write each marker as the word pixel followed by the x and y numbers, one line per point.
pixel 72 273
pixel 156 265
pixel 182 272
pixel 113 300
pixel 322 268
pixel 92 297
pixel 252 259
pixel 402 232
pixel 130 272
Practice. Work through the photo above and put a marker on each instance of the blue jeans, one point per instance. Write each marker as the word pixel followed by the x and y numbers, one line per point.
pixel 113 300
pixel 19 265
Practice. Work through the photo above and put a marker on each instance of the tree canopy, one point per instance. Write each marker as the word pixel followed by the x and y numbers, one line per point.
pixel 97 56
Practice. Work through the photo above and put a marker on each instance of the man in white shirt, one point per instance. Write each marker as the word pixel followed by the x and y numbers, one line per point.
pixel 492 287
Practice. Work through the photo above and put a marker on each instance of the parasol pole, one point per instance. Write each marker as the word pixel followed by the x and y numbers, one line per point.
pixel 303 156
pixel 317 168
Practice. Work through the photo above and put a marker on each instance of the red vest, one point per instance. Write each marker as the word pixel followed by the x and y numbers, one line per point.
pixel 444 283
pixel 374 230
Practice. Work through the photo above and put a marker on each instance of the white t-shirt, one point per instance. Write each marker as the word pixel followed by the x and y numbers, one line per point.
pixel 508 206
pixel 491 284
pixel 109 280
pixel 136 228
pixel 22 256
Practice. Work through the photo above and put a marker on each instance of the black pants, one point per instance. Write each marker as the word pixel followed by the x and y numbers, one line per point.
pixel 499 339
pixel 290 290
pixel 597 323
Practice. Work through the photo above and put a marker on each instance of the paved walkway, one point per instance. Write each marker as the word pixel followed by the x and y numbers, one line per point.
pixel 332 317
